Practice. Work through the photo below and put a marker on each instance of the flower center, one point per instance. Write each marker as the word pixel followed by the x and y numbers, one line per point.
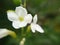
pixel 21 18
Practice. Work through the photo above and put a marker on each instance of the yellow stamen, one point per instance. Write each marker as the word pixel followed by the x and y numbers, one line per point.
pixel 21 18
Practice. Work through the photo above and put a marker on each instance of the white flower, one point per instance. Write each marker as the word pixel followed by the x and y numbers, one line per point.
pixel 19 18
pixel 3 33
pixel 36 27
pixel 6 32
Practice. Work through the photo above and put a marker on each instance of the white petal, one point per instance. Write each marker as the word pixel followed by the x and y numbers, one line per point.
pixel 28 18
pixel 18 24
pixel 3 33
pixel 39 28
pixel 11 15
pixel 35 19
pixel 21 11
pixel 33 27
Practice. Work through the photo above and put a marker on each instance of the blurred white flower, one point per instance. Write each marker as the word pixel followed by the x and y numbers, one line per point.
pixel 22 41
pixel 36 27
pixel 19 17
pixel 6 32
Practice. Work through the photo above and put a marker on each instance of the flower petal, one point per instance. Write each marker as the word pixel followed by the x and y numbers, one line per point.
pixel 21 11
pixel 18 24
pixel 28 18
pixel 38 28
pixel 11 15
pixel 33 27
pixel 6 32
pixel 35 19
pixel 3 33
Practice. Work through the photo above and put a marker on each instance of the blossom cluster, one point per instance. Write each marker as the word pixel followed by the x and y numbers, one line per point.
pixel 20 18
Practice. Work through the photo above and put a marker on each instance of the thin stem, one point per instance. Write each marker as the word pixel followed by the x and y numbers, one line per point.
pixel 28 29
pixel 21 3
pixel 22 31
pixel 25 3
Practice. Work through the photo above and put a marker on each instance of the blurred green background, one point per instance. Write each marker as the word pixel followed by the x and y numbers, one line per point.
pixel 48 17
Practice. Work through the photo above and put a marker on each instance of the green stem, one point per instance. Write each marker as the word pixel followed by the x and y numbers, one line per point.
pixel 21 3
pixel 22 31
pixel 25 3
pixel 28 29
